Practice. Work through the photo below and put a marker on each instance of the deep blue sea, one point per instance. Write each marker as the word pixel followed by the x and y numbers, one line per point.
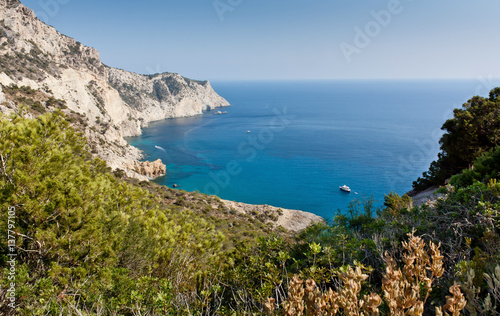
pixel 291 144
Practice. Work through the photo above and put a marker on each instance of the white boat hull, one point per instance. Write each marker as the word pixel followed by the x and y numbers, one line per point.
pixel 345 188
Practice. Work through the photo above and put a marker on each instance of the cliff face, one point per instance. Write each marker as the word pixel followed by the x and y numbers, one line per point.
pixel 115 102
pixel 149 169
pixel 164 95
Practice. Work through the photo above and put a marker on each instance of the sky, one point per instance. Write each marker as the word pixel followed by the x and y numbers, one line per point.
pixel 287 39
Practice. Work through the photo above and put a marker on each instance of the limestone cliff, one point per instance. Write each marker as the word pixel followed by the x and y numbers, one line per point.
pixel 164 95
pixel 149 169
pixel 114 103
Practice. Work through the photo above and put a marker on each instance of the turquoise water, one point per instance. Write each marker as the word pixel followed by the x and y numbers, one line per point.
pixel 292 144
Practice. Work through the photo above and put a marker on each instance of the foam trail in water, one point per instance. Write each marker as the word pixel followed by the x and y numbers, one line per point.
pixel 160 148
pixel 200 126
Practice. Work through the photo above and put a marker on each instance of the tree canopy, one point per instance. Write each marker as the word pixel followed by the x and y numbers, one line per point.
pixel 474 130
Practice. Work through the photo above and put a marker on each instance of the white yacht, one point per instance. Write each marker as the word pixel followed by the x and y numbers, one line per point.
pixel 345 188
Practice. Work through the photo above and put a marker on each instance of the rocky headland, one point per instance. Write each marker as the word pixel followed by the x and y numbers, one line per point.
pixel 112 103
pixel 45 70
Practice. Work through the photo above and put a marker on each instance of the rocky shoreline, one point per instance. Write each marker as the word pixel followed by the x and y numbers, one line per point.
pixel 104 103
pixel 150 169
pixel 112 103
pixel 291 220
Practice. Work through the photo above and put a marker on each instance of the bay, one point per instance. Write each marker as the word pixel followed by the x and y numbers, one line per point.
pixel 291 144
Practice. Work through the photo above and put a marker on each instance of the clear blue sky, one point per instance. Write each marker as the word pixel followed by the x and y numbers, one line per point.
pixel 286 39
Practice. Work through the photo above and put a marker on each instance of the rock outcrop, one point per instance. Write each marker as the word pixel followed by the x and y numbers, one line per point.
pixel 149 169
pixel 291 220
pixel 114 103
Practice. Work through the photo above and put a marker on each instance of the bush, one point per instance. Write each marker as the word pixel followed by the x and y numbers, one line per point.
pixel 405 290
pixel 485 168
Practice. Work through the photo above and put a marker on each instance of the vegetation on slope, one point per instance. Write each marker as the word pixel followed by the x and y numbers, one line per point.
pixel 86 240
pixel 90 242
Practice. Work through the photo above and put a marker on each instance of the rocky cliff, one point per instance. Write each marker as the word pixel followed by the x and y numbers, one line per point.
pixel 113 103
pixel 149 169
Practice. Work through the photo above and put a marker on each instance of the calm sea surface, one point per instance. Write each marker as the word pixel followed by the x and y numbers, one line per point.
pixel 292 144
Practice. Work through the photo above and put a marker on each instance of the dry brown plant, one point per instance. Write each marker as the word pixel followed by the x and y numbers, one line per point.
pixel 295 303
pixel 406 289
pixel 270 305
pixel 349 300
pixel 456 302
pixel 306 299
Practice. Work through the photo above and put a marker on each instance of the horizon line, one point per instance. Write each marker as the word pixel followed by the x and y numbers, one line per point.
pixel 349 79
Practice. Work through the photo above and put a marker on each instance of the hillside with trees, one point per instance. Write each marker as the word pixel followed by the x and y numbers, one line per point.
pixel 82 234
pixel 90 241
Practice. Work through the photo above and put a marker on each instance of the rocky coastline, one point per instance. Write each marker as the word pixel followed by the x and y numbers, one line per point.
pixel 150 169
pixel 105 104
pixel 112 103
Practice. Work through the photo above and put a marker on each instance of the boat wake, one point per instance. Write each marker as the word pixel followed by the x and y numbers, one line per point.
pixel 199 126
pixel 160 148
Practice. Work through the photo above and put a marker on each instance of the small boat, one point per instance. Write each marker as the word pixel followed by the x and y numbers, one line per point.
pixel 345 188
pixel 248 131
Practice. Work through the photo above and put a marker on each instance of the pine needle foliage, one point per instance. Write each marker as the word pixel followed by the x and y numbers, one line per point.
pixel 85 238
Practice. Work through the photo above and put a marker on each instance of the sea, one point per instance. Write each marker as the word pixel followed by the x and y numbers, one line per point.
pixel 291 144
